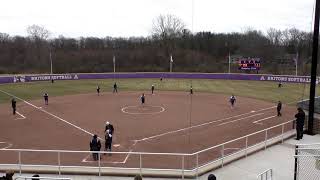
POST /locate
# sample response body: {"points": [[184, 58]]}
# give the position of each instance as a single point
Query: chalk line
{"points": [[22, 116], [55, 116], [260, 120], [199, 125]]}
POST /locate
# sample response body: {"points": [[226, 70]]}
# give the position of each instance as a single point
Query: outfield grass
{"points": [[267, 91]]}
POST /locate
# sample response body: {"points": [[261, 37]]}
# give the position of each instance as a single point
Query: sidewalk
{"points": [[279, 158]]}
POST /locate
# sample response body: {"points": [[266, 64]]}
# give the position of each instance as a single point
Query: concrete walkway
{"points": [[279, 158]]}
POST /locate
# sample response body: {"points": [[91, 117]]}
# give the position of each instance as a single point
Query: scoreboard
{"points": [[249, 63]]}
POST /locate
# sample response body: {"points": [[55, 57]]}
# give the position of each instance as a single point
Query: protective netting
{"points": [[305, 104], [308, 163]]}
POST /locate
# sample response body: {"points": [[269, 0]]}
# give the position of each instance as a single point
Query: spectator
{"points": [[35, 177], [212, 177], [300, 117], [8, 176], [138, 177]]}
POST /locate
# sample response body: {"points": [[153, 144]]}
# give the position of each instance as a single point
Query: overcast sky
{"points": [[100, 18]]}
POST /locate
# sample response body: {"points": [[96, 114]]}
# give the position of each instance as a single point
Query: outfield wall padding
{"points": [[77, 76]]}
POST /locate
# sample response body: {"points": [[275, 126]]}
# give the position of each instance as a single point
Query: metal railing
{"points": [[266, 175], [40, 177], [191, 165]]}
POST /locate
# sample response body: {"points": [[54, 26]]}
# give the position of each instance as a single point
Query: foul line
{"points": [[257, 122], [199, 125], [57, 117], [22, 116]]}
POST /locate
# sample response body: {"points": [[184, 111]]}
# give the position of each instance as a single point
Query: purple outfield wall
{"points": [[249, 77], [6, 79]]}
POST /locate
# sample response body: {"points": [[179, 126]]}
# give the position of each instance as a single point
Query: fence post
{"points": [[19, 156], [99, 162], [182, 166], [197, 158], [140, 164], [59, 163], [267, 175], [282, 131], [296, 163], [222, 155], [246, 146], [265, 140]]}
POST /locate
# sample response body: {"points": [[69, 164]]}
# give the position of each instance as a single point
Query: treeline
{"points": [[199, 52]]}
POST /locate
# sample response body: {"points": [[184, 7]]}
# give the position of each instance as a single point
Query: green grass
{"points": [[267, 91]]}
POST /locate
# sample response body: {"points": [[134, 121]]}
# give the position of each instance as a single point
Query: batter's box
{"points": [[5, 145], [111, 158]]}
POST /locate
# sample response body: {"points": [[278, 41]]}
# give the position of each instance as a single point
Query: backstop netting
{"points": [[307, 162], [305, 105]]}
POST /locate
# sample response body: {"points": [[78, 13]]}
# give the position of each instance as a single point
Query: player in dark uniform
{"points": [[143, 99], [14, 106], [109, 127], [232, 100], [115, 88], [46, 98], [280, 84], [108, 141], [152, 89], [98, 90], [191, 90], [95, 145], [279, 107]]}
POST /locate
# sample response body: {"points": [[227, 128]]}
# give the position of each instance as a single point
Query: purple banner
{"points": [[6, 79], [254, 77], [50, 77]]}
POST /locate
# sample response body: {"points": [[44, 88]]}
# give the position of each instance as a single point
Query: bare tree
{"points": [[38, 32], [274, 36], [39, 35], [167, 26]]}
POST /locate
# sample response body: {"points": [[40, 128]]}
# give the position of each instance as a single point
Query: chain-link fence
{"points": [[307, 162], [305, 104]]}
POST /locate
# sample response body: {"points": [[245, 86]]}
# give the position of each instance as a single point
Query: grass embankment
{"points": [[267, 91]]}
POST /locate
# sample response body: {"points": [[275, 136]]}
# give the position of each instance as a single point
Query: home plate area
{"points": [[113, 158]]}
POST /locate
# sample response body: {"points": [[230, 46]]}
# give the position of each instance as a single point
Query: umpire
{"points": [[300, 123], [14, 106], [95, 145]]}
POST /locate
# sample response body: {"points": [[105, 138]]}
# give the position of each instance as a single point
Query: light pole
{"points": [[50, 61], [171, 61], [296, 61], [229, 58], [114, 66]]}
